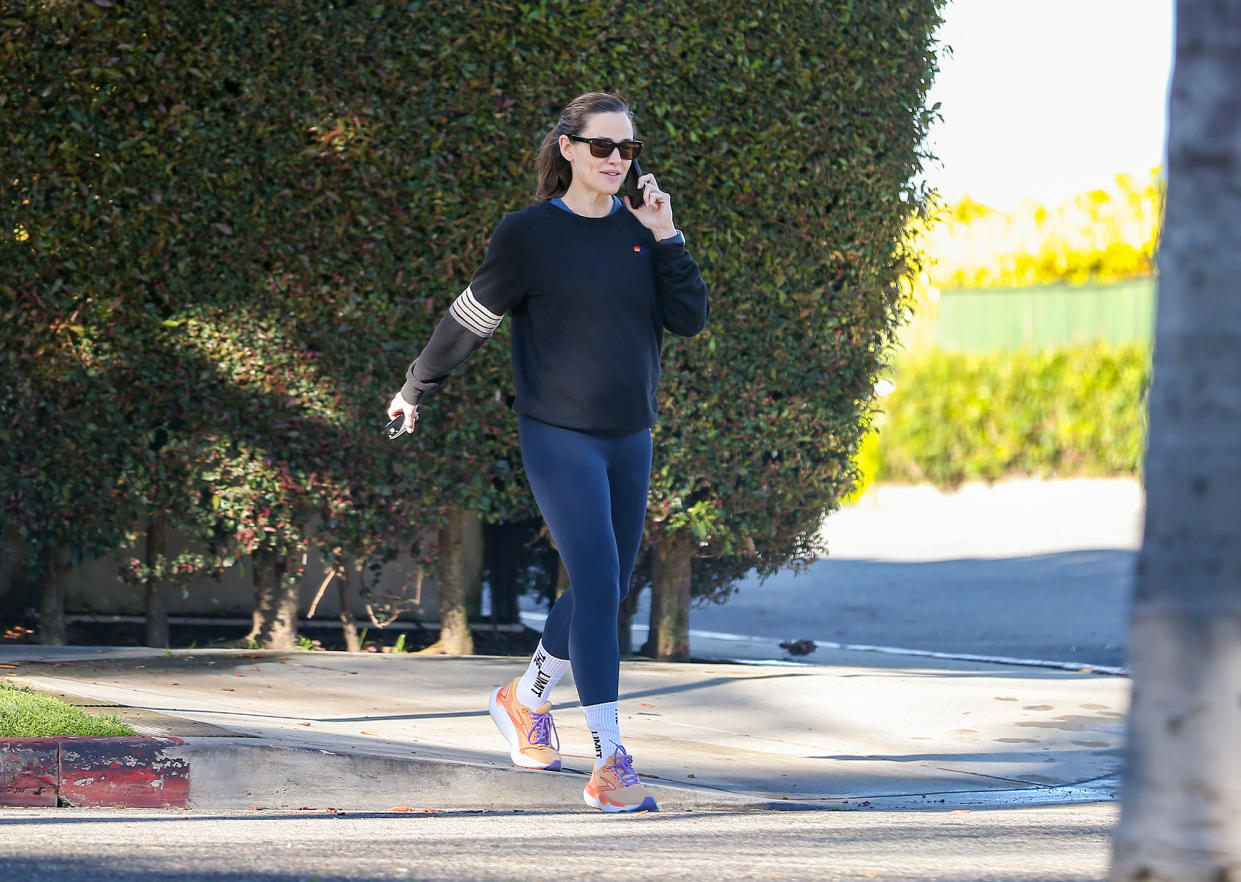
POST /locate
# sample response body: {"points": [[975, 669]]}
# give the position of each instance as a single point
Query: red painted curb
{"points": [[29, 771], [131, 772]]}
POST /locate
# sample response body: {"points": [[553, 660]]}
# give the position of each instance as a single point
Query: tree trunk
{"points": [[1181, 807], [472, 563], [54, 566], [624, 622], [455, 637], [349, 574], [670, 578], [156, 605], [647, 649], [276, 583], [503, 550]]}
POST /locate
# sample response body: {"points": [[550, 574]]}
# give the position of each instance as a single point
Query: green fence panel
{"points": [[1053, 315]]}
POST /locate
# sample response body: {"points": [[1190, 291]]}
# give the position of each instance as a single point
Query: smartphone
{"points": [[395, 428], [632, 190]]}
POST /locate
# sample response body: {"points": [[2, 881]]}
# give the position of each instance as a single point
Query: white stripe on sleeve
{"points": [[473, 316]]}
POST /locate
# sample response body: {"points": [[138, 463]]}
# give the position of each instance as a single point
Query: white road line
{"points": [[538, 618]]}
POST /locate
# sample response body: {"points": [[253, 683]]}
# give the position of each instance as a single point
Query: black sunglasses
{"points": [[601, 148]]}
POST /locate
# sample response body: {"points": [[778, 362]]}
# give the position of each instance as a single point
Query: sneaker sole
{"points": [[504, 723], [646, 805]]}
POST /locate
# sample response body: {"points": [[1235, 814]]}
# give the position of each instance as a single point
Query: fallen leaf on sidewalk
{"points": [[254, 667], [364, 732], [228, 689], [170, 682], [646, 705], [8, 666], [303, 724], [238, 674], [401, 808]]}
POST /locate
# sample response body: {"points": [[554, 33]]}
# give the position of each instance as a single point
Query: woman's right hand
{"points": [[400, 406]]}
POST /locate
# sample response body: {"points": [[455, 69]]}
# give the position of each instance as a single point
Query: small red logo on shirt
{"points": [[637, 249]]}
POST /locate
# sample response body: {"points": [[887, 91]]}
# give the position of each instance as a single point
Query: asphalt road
{"points": [[1022, 570], [1049, 845]]}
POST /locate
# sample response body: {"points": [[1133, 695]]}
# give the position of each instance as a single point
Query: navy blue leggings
{"points": [[591, 488]]}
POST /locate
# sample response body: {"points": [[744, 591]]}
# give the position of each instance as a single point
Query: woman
{"points": [[592, 283]]}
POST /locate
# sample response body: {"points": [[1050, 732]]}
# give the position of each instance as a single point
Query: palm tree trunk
{"points": [[1181, 808]]}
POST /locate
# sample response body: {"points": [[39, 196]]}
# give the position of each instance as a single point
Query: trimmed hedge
{"points": [[956, 417], [228, 226]]}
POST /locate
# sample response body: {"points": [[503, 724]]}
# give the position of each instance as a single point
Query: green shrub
{"points": [[957, 417], [229, 226]]}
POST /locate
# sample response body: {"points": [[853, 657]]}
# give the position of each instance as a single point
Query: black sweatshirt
{"points": [[590, 300]]}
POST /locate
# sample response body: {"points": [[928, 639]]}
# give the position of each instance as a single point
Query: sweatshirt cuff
{"points": [[411, 394]]}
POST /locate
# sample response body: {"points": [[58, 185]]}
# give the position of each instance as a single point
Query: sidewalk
{"points": [[374, 732]]}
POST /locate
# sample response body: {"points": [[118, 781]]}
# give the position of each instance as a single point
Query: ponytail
{"points": [[554, 171]]}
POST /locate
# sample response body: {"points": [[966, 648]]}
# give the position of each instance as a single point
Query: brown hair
{"points": [[554, 171]]}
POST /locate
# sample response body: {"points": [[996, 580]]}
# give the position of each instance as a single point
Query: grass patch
{"points": [[27, 714]]}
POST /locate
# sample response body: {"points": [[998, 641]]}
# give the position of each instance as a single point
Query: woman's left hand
{"points": [[655, 213]]}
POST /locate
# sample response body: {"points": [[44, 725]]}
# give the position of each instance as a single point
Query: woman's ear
{"points": [[566, 148]]}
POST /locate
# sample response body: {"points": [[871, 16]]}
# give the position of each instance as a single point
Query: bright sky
{"points": [[1048, 99]]}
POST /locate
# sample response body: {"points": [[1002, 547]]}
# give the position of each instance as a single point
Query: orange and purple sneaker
{"points": [[614, 787], [529, 731]]}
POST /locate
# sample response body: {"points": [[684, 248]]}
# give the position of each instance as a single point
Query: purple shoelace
{"points": [[542, 728], [623, 764]]}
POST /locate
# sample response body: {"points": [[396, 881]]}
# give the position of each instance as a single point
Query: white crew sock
{"points": [[604, 728], [544, 672]]}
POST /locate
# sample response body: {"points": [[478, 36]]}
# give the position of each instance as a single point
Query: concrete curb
{"points": [[245, 773], [241, 773], [128, 772]]}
